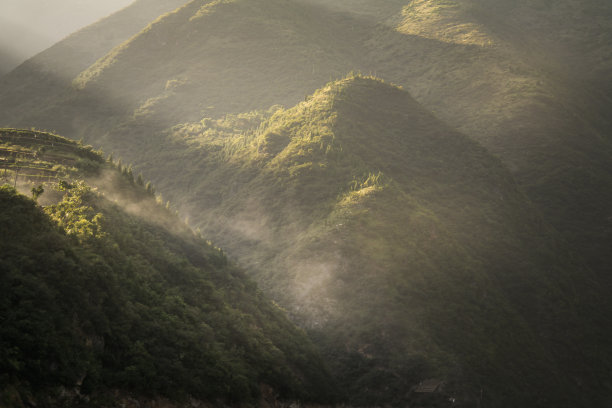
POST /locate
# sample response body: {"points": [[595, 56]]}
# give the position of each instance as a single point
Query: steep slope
{"points": [[206, 57], [46, 77], [8, 60], [28, 27], [537, 103], [405, 248], [104, 290], [529, 80], [443, 21], [565, 36]]}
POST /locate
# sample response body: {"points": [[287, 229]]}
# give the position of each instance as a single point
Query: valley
{"points": [[423, 186]]}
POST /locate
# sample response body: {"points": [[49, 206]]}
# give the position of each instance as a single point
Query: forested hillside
{"points": [[454, 226], [531, 82], [406, 249], [104, 290], [528, 80]]}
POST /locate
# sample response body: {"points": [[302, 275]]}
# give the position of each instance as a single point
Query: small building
{"points": [[430, 386]]}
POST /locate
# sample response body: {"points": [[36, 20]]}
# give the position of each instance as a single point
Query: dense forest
{"points": [[106, 289], [423, 187], [398, 243]]}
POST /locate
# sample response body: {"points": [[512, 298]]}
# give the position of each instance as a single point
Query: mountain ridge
{"points": [[53, 69], [517, 97], [106, 290], [362, 214], [306, 198]]}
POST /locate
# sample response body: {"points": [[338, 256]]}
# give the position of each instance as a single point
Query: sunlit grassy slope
{"points": [[235, 56], [104, 290], [444, 21], [405, 248], [528, 80]]}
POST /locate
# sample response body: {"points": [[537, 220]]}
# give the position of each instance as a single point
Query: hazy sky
{"points": [[29, 26]]}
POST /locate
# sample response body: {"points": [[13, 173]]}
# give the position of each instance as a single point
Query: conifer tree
{"points": [[149, 188], [140, 180]]}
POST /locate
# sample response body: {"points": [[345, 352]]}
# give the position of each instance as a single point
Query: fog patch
{"points": [[251, 225], [314, 290], [134, 200]]}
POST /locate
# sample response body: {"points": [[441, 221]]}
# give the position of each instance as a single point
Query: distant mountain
{"points": [[192, 100], [528, 80], [13, 52], [406, 249], [105, 293], [44, 77], [28, 27], [7, 61], [531, 82], [278, 52]]}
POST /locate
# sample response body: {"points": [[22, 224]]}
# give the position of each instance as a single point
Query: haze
{"points": [[30, 26]]}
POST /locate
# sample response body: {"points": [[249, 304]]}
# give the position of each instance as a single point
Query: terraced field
{"points": [[32, 157]]}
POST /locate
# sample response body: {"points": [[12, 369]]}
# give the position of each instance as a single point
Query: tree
{"points": [[140, 180], [149, 188], [37, 191], [129, 173]]}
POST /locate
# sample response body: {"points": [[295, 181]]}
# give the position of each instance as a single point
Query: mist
{"points": [[30, 26], [422, 187]]}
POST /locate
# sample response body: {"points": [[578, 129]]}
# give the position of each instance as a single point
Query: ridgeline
{"points": [[104, 290]]}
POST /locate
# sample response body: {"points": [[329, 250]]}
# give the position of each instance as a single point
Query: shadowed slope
{"points": [[237, 56], [224, 57], [405, 248], [105, 290], [538, 103], [45, 78], [516, 97]]}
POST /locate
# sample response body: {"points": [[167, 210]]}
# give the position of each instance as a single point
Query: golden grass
{"points": [[445, 21]]}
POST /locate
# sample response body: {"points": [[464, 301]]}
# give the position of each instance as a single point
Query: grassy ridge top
{"points": [[231, 36], [445, 21], [97, 68], [405, 248], [105, 289], [519, 98], [536, 102]]}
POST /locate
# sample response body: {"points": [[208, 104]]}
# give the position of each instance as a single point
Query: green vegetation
{"points": [[405, 249], [491, 69], [99, 295]]}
